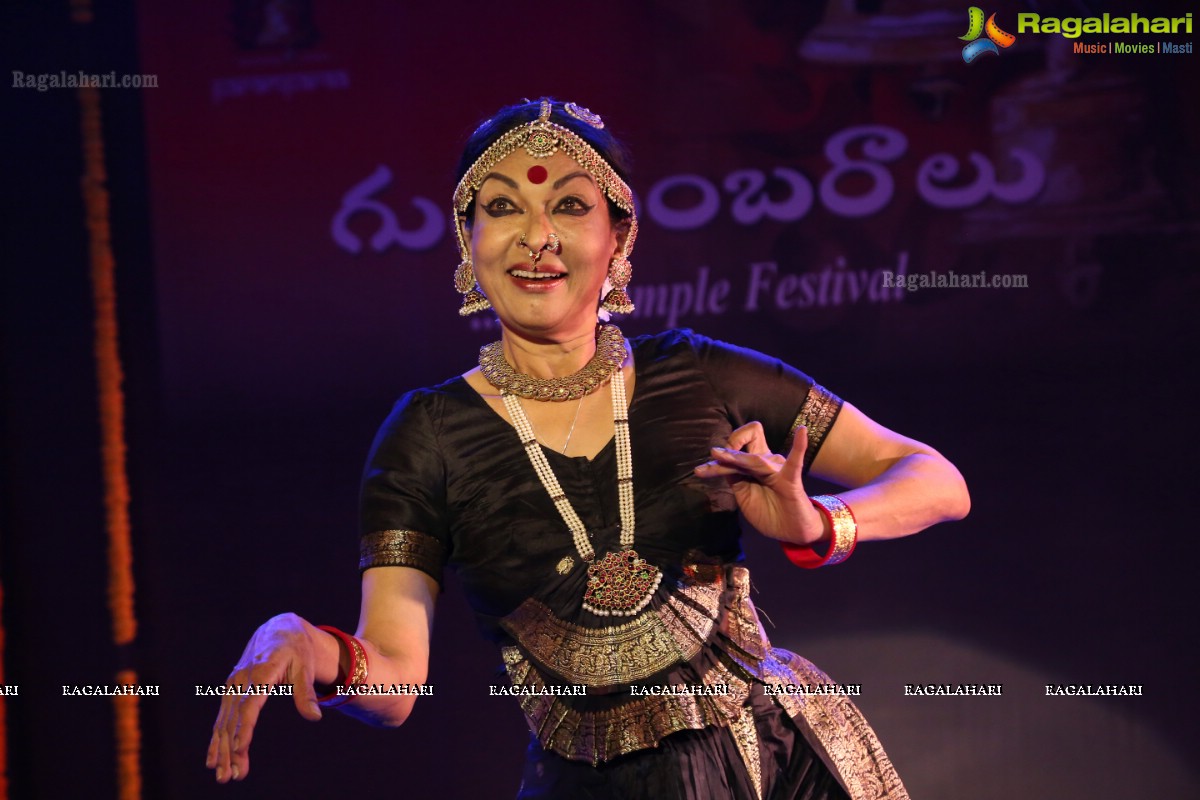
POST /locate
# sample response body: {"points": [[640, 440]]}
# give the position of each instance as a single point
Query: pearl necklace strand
{"points": [[624, 469], [626, 568]]}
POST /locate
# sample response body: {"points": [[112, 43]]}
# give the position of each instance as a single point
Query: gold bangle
{"points": [[356, 675], [844, 530]]}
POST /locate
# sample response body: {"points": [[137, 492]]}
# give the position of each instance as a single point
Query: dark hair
{"points": [[527, 111]]}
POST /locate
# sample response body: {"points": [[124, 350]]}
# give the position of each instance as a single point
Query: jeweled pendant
{"points": [[620, 584]]}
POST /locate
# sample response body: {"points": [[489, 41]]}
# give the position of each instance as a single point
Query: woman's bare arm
{"points": [[394, 628], [896, 486]]}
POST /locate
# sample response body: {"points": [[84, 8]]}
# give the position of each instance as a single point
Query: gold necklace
{"points": [[610, 354]]}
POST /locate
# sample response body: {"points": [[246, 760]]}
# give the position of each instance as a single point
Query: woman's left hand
{"points": [[768, 487]]}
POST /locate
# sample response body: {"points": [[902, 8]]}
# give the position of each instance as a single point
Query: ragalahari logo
{"points": [[976, 27]]}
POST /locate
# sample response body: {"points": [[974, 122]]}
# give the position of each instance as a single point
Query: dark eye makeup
{"points": [[573, 205], [500, 207]]}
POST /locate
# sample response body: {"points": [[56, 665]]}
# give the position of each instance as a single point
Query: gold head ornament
{"points": [[542, 138]]}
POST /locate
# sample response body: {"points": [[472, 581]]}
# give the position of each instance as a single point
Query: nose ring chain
{"points": [[553, 244]]}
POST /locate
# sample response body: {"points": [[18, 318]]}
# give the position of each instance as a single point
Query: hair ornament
{"points": [[584, 115]]}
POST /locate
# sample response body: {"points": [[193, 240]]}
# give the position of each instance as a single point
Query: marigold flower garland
{"points": [[112, 436]]}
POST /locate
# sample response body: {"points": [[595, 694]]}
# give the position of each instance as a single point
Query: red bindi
{"points": [[536, 174]]}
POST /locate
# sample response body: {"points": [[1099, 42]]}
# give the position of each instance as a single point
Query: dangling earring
{"points": [[466, 285], [617, 301]]}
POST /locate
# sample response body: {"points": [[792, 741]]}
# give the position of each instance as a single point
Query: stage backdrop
{"points": [[995, 257]]}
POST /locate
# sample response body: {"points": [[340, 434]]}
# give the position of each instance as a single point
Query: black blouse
{"points": [[447, 480]]}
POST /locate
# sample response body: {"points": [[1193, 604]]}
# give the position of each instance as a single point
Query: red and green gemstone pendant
{"points": [[620, 584]]}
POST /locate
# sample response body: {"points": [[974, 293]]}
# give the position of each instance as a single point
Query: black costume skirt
{"points": [[700, 764]]}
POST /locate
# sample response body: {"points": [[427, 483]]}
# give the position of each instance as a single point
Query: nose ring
{"points": [[553, 244], [534, 255]]}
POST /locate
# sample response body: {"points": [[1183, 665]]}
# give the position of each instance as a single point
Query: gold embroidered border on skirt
{"points": [[640, 723], [820, 409], [402, 548], [620, 654], [836, 730], [745, 736], [741, 624], [831, 724]]}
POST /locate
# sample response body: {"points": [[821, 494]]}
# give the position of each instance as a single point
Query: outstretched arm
{"points": [[394, 628]]}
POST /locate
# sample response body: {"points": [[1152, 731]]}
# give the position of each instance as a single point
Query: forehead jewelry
{"points": [[540, 138]]}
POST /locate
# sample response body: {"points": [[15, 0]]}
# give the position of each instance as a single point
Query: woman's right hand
{"points": [[394, 626], [284, 650]]}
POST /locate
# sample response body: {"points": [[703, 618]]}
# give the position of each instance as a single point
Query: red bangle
{"points": [[357, 673], [845, 535]]}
